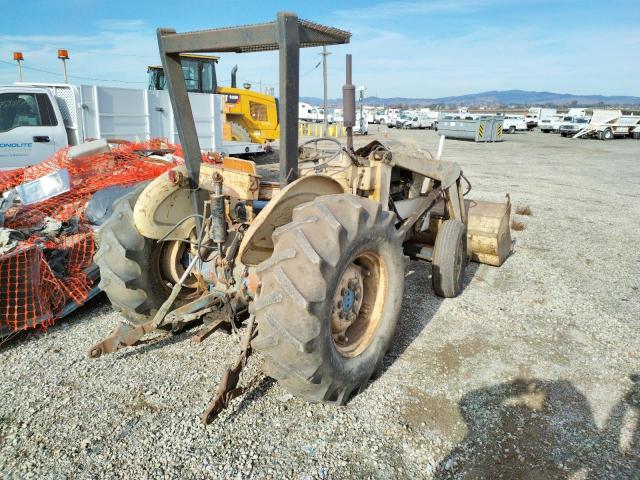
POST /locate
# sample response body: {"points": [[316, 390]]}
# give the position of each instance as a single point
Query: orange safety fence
{"points": [[42, 274]]}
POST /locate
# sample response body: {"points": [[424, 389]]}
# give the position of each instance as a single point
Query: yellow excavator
{"points": [[250, 116]]}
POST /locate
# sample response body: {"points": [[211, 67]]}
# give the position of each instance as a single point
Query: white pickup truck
{"points": [[36, 120], [551, 124], [513, 123]]}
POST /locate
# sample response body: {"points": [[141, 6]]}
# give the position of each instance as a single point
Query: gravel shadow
{"points": [[538, 429], [253, 394], [411, 324]]}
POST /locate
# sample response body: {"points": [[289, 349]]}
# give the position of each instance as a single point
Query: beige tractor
{"points": [[313, 267]]}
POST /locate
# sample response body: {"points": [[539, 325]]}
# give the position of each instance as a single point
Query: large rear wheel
{"points": [[330, 297], [136, 272]]}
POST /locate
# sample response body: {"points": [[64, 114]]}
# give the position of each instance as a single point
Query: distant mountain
{"points": [[498, 99]]}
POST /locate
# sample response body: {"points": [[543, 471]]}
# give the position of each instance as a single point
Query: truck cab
{"points": [[572, 125], [31, 126]]}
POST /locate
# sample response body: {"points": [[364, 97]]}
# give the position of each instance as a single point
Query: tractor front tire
{"points": [[449, 259], [339, 260]]}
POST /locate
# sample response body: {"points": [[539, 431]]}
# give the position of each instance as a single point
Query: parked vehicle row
{"points": [[602, 124], [597, 123]]}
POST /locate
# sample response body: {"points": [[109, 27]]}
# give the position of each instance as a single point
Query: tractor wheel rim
{"points": [[173, 264], [358, 304]]}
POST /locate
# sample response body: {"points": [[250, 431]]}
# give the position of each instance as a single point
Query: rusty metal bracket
{"points": [[192, 310], [228, 387], [206, 331], [124, 335]]}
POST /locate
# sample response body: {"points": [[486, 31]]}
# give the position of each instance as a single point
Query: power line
{"points": [[308, 72], [74, 76], [88, 52]]}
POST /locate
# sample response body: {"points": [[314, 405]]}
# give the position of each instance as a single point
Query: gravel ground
{"points": [[528, 374]]}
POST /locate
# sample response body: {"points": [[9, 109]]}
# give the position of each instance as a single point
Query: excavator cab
{"points": [[199, 74], [250, 116]]}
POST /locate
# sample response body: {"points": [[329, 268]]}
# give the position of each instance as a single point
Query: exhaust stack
{"points": [[233, 76], [349, 105]]}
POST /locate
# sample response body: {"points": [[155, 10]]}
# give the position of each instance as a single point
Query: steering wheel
{"points": [[317, 155]]}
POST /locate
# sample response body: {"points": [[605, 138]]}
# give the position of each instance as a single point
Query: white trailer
{"points": [[608, 124], [309, 113], [36, 120]]}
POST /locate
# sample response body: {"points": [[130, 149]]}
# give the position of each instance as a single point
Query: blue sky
{"points": [[427, 48]]}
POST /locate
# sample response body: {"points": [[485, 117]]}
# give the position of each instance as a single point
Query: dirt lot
{"points": [[531, 373]]}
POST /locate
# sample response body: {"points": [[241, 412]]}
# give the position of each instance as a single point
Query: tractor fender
{"points": [[257, 244], [163, 203]]}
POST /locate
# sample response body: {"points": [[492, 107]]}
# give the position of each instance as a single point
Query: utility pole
{"points": [[324, 79], [18, 57], [362, 120]]}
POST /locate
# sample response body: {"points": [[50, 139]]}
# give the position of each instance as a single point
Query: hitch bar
{"points": [[125, 335], [228, 387]]}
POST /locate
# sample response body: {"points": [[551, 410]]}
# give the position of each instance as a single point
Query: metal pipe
{"points": [[64, 67], [440, 148]]}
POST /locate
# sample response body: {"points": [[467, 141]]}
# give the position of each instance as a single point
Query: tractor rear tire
{"points": [[239, 133], [303, 293], [449, 259], [130, 264]]}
